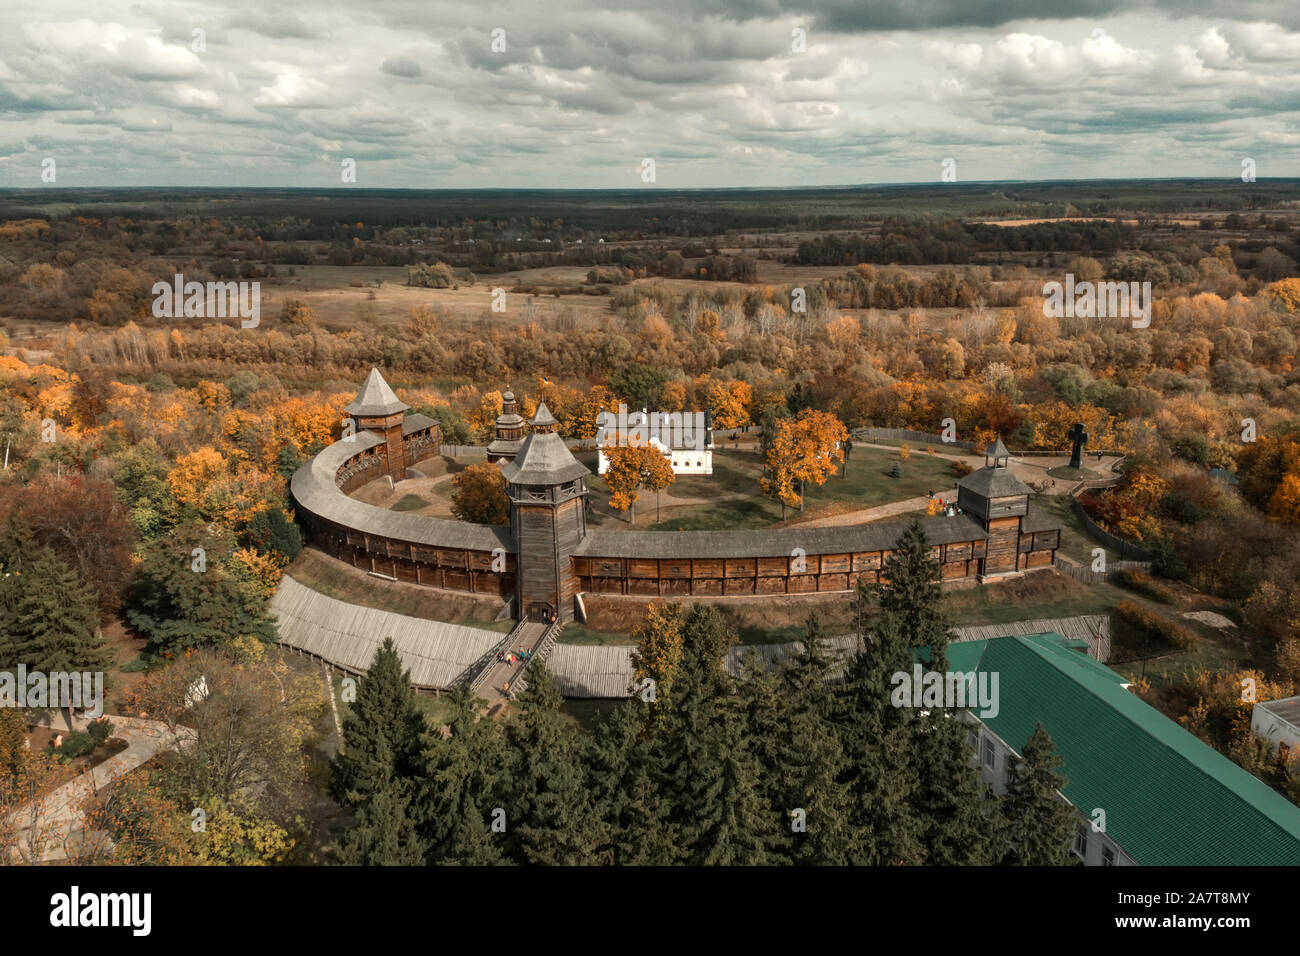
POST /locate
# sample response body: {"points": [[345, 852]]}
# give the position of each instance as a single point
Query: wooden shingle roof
{"points": [[437, 654], [315, 490], [375, 399], [777, 542]]}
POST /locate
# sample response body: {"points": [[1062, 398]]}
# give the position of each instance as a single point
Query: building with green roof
{"points": [[1168, 798]]}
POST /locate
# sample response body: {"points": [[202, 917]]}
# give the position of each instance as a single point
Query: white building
{"points": [[685, 438], [1278, 722]]}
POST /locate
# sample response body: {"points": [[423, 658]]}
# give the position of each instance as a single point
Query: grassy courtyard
{"points": [[731, 497]]}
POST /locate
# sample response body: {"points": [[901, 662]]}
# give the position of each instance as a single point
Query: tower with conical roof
{"points": [[509, 430], [376, 409], [548, 492], [999, 500]]}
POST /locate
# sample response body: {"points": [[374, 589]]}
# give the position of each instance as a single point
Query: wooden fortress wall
{"points": [[470, 570]]}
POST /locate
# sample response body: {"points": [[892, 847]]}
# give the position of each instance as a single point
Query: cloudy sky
{"points": [[716, 92]]}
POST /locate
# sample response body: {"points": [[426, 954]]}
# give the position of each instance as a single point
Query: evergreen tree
{"points": [[1039, 822], [724, 821], [637, 827], [184, 597], [814, 769], [376, 772], [552, 817], [382, 733], [385, 833], [49, 616], [956, 819], [461, 787], [912, 593], [877, 739]]}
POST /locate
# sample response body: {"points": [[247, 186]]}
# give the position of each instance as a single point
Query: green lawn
{"points": [[991, 604], [579, 633], [409, 503], [866, 484], [1075, 542]]}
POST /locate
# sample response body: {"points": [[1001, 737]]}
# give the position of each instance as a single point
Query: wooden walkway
{"points": [[499, 677], [605, 671], [443, 655]]}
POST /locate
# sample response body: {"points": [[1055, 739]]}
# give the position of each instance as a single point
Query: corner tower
{"points": [[1000, 501], [376, 409], [548, 493]]}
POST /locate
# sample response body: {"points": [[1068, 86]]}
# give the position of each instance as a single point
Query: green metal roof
{"points": [[1170, 799]]}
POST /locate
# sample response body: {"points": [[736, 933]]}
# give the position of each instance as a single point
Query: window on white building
{"points": [[990, 756], [1107, 856], [1081, 841]]}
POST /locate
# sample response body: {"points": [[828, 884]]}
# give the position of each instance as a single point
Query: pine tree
{"points": [[1038, 821], [377, 771]]}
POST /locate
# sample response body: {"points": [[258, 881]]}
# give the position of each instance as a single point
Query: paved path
{"points": [[59, 814]]}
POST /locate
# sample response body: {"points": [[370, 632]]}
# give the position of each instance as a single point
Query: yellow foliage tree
{"points": [[729, 402], [630, 467], [804, 449]]}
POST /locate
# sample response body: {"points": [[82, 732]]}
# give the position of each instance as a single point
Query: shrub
{"points": [[896, 470], [1144, 583], [99, 730], [961, 469], [1153, 626], [76, 744]]}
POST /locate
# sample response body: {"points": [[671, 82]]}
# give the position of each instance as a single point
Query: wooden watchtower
{"points": [[999, 500], [376, 409], [548, 491]]}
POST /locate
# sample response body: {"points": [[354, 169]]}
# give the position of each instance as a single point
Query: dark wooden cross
{"points": [[1079, 435]]}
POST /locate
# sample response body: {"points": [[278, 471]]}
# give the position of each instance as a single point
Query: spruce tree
{"points": [[954, 813], [814, 769], [724, 820], [376, 772], [912, 593], [621, 778], [461, 789], [877, 739], [1039, 823], [385, 833], [553, 819]]}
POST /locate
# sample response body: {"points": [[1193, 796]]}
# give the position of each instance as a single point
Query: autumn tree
{"points": [[803, 449], [631, 467], [478, 494], [729, 403], [659, 651], [81, 519]]}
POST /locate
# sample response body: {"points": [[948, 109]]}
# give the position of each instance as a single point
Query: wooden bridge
{"points": [[500, 677]]}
